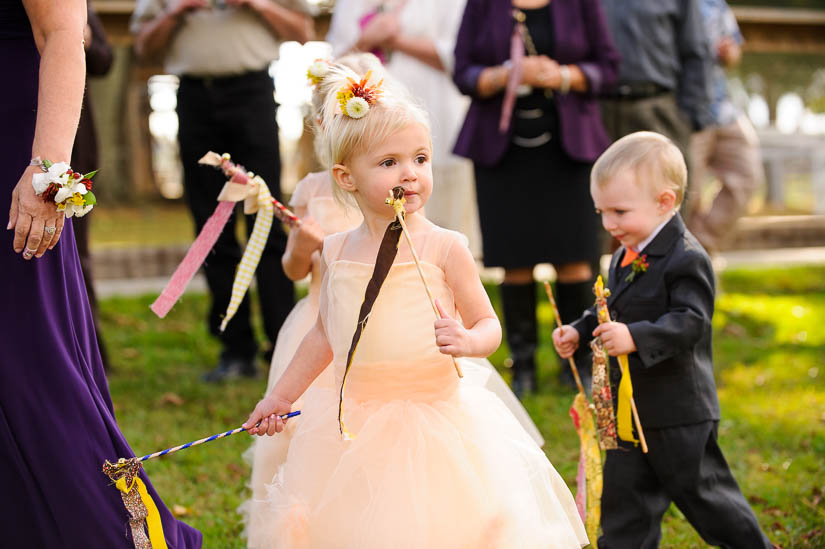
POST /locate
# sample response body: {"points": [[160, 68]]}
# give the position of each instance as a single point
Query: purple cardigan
{"points": [[581, 38]]}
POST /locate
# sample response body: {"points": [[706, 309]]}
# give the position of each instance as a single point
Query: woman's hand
{"points": [[268, 412], [37, 224], [540, 71], [380, 29]]}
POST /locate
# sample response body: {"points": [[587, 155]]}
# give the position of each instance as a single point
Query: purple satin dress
{"points": [[57, 425]]}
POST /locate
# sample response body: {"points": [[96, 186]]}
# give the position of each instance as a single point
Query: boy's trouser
{"points": [[685, 465]]}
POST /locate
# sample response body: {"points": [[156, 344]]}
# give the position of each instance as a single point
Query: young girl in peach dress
{"points": [[429, 461]]}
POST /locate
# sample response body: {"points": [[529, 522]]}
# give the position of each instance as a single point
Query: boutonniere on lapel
{"points": [[639, 265]]}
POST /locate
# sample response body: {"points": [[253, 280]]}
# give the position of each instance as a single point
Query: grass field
{"points": [[770, 367]]}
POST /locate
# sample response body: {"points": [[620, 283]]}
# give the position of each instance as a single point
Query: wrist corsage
{"points": [[639, 265], [71, 191]]}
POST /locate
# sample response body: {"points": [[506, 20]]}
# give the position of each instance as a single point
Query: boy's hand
{"points": [[308, 236], [616, 338], [268, 412], [566, 341], [451, 336]]}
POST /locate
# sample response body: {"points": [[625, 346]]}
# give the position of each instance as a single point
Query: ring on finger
{"points": [[50, 230]]}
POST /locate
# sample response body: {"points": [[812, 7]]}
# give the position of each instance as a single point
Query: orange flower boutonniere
{"points": [[639, 265]]}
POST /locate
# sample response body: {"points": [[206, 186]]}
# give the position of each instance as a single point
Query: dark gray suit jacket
{"points": [[668, 310]]}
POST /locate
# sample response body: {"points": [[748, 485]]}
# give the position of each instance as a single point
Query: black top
{"points": [[534, 117]]}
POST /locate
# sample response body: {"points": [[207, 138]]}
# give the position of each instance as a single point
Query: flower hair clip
{"points": [[70, 190], [318, 71], [356, 98]]}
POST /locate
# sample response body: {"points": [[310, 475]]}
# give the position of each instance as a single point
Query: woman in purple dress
{"points": [[57, 425]]}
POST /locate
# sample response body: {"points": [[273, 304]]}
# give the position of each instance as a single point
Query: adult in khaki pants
{"points": [[729, 149]]}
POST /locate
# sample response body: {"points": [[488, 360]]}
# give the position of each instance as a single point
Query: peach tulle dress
{"points": [[435, 462]]}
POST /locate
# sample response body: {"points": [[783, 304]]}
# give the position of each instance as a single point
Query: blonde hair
{"points": [[360, 63], [662, 160], [343, 136]]}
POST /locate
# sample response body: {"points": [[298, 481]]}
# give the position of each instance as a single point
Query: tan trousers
{"points": [[731, 154]]}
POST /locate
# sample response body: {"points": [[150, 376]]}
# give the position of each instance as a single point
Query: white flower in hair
{"points": [[317, 71], [357, 107]]}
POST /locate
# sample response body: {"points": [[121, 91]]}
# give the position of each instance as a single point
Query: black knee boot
{"points": [[572, 299], [519, 305]]}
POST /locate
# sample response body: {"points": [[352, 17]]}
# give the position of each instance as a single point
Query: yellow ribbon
{"points": [[254, 248], [624, 421], [589, 441], [153, 522]]}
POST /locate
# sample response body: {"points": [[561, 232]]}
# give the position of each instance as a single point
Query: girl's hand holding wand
{"points": [[451, 336], [268, 412], [308, 236]]}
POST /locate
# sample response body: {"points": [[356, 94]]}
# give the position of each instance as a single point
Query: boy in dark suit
{"points": [[662, 293]]}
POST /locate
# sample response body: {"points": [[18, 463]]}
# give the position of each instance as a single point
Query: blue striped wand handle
{"points": [[207, 439]]}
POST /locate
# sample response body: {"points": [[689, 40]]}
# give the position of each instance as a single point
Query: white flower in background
{"points": [[357, 107]]}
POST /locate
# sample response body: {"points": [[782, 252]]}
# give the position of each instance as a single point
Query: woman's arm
{"points": [[154, 35], [421, 48], [480, 334], [286, 23], [58, 32]]}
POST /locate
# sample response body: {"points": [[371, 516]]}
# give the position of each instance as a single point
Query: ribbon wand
{"points": [[398, 206], [144, 517], [625, 386], [570, 360]]}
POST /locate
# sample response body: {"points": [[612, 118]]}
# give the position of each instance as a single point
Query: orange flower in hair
{"points": [[356, 98]]}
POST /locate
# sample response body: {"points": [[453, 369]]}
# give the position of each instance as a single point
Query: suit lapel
{"points": [[658, 248]]}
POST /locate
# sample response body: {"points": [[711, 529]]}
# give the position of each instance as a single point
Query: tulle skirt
{"points": [[451, 470]]}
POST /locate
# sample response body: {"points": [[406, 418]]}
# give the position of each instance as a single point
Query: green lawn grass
{"points": [[770, 366]]}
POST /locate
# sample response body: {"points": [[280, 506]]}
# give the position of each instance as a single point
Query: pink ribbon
{"points": [[516, 57]]}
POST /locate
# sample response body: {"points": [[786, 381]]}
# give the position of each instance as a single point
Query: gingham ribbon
{"points": [[254, 249]]}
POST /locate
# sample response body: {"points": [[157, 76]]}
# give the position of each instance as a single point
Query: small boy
{"points": [[662, 293]]}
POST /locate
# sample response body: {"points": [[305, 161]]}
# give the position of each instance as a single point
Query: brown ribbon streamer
{"points": [[386, 256]]}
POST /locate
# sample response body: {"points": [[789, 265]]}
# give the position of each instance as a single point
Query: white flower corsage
{"points": [[71, 191]]}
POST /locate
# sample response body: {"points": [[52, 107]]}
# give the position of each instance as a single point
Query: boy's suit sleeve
{"points": [[585, 325], [689, 312]]}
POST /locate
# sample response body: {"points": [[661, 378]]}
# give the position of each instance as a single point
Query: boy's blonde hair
{"points": [[656, 161], [343, 136]]}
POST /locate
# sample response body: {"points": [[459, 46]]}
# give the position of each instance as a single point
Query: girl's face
{"points": [[404, 159]]}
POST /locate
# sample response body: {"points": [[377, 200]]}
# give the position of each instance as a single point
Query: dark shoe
{"points": [[524, 382], [230, 368]]}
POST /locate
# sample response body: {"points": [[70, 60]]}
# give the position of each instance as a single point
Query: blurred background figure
{"points": [[415, 40], [663, 78], [85, 155], [533, 177], [729, 148], [221, 51]]}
